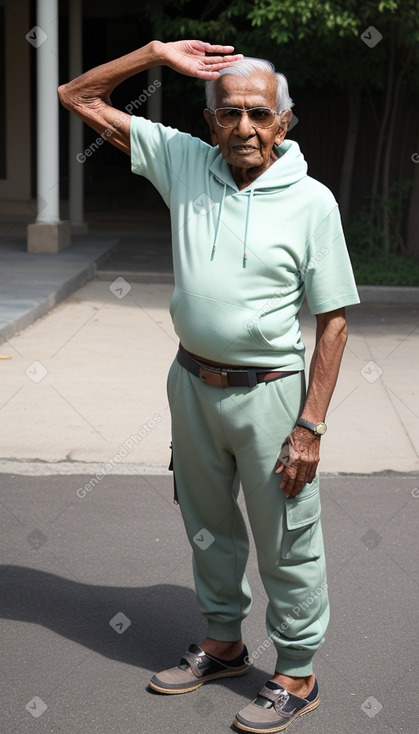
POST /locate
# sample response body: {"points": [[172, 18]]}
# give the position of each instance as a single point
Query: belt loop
{"points": [[253, 381]]}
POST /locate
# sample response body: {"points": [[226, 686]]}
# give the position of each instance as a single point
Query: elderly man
{"points": [[252, 235]]}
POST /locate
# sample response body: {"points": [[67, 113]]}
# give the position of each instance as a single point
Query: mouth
{"points": [[244, 148]]}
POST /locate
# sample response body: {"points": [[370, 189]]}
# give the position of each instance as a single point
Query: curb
{"points": [[391, 295], [21, 314], [138, 276], [64, 290], [39, 467]]}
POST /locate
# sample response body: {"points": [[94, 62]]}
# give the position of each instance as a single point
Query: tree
{"points": [[363, 49], [378, 64]]}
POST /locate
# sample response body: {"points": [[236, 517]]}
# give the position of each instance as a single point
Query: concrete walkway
{"points": [[31, 284], [95, 365]]}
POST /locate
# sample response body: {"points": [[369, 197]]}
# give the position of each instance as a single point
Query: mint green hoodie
{"points": [[243, 260]]}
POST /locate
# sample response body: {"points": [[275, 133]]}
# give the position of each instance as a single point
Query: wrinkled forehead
{"points": [[255, 90]]}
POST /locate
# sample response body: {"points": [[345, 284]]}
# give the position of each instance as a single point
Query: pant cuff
{"points": [[224, 632], [297, 669]]}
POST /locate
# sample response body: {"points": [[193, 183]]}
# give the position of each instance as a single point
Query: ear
{"points": [[212, 126], [284, 121]]}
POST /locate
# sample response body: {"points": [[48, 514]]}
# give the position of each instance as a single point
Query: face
{"points": [[247, 148]]}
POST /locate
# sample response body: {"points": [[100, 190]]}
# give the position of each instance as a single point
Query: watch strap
{"points": [[312, 426]]}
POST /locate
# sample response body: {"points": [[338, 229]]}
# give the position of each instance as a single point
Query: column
{"points": [[48, 233], [76, 146]]}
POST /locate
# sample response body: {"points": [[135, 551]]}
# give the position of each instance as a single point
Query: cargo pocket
{"points": [[300, 540]]}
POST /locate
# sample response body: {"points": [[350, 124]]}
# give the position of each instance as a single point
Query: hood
{"points": [[287, 170], [290, 168]]}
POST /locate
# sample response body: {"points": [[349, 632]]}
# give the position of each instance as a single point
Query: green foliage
{"points": [[300, 19], [318, 41], [209, 22], [333, 30], [365, 235], [371, 264], [375, 267]]}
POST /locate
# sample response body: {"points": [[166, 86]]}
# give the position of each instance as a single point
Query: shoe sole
{"points": [[193, 686], [275, 729]]}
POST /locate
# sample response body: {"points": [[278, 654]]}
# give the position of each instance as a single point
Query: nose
{"points": [[245, 128]]}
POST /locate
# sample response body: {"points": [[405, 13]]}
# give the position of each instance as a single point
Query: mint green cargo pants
{"points": [[224, 436]]}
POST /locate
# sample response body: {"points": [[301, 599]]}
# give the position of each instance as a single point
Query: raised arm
{"points": [[88, 96]]}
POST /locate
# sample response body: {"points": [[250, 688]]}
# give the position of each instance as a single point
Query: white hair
{"points": [[248, 66]]}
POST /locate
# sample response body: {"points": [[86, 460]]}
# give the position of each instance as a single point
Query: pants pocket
{"points": [[302, 533], [291, 393]]}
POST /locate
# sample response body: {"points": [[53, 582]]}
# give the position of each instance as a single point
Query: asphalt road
{"points": [[97, 594]]}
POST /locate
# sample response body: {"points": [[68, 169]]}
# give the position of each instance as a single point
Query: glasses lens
{"points": [[231, 116], [228, 116], [261, 116]]}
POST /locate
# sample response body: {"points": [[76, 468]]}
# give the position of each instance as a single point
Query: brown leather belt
{"points": [[227, 376]]}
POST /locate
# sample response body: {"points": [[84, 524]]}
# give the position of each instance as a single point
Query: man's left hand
{"points": [[298, 461]]}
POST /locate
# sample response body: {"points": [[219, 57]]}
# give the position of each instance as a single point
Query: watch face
{"points": [[321, 428]]}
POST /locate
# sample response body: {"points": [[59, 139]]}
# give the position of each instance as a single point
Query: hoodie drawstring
{"points": [[217, 226], [250, 195], [246, 226]]}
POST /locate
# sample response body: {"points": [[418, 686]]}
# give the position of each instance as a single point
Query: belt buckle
{"points": [[211, 377]]}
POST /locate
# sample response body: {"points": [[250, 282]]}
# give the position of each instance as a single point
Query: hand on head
{"points": [[189, 58]]}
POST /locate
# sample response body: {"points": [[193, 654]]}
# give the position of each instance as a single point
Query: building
{"points": [[41, 45]]}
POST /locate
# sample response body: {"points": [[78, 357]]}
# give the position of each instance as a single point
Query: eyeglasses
{"points": [[231, 116]]}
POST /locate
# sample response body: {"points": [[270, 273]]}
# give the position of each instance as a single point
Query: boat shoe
{"points": [[274, 709], [196, 668]]}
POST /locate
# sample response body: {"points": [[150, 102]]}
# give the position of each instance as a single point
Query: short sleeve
{"points": [[327, 270], [157, 152]]}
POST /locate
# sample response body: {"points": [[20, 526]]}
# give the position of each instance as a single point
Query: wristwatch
{"points": [[319, 429]]}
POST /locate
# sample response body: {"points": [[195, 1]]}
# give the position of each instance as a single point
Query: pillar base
{"points": [[43, 237]]}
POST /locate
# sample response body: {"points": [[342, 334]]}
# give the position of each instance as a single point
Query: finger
{"points": [[293, 482], [214, 48], [229, 60], [294, 487], [206, 75], [303, 477], [311, 474], [287, 483], [219, 62], [293, 492]]}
